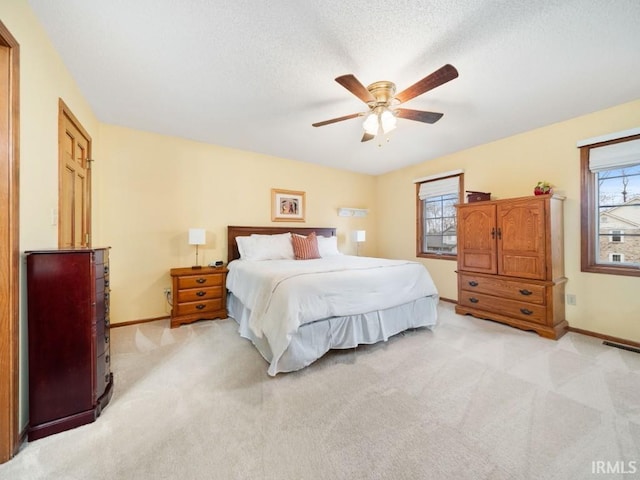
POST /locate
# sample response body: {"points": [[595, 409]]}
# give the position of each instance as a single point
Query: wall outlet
{"points": [[166, 291], [571, 299]]}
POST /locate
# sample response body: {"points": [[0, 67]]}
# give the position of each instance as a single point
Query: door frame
{"points": [[9, 245]]}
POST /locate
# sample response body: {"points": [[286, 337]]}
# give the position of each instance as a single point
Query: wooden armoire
{"points": [[511, 263], [70, 379]]}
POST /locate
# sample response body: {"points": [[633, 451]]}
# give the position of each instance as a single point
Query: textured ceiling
{"points": [[255, 75]]}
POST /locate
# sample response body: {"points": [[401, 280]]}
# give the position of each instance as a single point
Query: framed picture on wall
{"points": [[287, 206]]}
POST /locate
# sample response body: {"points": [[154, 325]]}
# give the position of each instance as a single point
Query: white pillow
{"points": [[328, 246], [265, 247], [244, 246]]}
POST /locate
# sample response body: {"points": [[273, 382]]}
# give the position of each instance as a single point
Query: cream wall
{"points": [[153, 188], [149, 189], [606, 304], [43, 80]]}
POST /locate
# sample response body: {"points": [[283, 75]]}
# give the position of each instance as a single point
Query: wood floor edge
{"points": [[136, 322], [602, 336], [588, 333], [448, 300]]}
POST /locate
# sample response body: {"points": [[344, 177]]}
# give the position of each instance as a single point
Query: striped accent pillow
{"points": [[305, 248]]}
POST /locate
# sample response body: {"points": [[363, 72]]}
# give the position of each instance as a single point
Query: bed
{"points": [[295, 311]]}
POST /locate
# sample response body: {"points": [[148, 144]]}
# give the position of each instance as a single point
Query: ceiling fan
{"points": [[382, 101]]}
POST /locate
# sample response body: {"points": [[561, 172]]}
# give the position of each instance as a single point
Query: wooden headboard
{"points": [[233, 232]]}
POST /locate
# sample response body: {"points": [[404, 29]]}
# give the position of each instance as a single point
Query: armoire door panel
{"points": [[476, 239], [521, 240]]}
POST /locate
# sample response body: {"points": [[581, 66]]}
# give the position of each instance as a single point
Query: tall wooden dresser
{"points": [[511, 263], [70, 379]]}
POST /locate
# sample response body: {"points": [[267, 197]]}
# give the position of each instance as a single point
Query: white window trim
{"points": [[438, 176]]}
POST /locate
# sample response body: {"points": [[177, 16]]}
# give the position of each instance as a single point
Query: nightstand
{"points": [[198, 293]]}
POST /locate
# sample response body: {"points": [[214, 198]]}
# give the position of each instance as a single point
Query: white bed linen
{"points": [[283, 295], [312, 340]]}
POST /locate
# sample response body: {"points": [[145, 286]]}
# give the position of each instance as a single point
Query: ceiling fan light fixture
{"points": [[381, 96], [379, 118], [371, 124], [388, 120]]}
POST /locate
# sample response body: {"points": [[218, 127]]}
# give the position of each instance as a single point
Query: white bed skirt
{"points": [[313, 340]]}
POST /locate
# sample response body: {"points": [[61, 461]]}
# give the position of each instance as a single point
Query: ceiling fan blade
{"points": [[352, 84], [339, 119], [437, 78], [418, 115], [367, 136]]}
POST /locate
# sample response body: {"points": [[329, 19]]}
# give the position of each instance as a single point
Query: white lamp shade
{"points": [[196, 236], [361, 235], [370, 124], [388, 121]]}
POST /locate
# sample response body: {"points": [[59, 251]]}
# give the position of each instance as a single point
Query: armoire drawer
{"points": [[499, 287], [513, 308]]}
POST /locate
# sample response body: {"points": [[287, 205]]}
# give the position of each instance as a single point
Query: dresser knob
{"points": [[106, 359], [201, 293], [473, 283], [525, 292], [526, 311], [106, 339], [474, 300], [106, 378], [201, 280], [200, 306]]}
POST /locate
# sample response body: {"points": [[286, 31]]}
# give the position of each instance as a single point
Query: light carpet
{"points": [[471, 399]]}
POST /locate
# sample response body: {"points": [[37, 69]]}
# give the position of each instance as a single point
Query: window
{"points": [[616, 257], [610, 204], [616, 235], [437, 197]]}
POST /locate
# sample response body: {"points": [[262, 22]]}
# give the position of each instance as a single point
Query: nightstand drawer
{"points": [[203, 307], [198, 294], [195, 281]]}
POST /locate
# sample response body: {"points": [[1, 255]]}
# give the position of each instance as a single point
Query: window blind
{"points": [[617, 155], [440, 187]]}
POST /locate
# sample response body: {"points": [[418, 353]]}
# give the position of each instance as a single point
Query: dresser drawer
{"points": [[195, 281], [512, 308], [498, 287], [103, 369], [197, 294], [193, 308]]}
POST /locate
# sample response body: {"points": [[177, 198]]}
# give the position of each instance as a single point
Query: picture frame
{"points": [[287, 205]]}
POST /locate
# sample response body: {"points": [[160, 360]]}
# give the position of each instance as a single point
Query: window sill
{"points": [[611, 270], [438, 256]]}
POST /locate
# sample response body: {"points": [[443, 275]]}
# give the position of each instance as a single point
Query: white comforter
{"points": [[285, 294]]}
